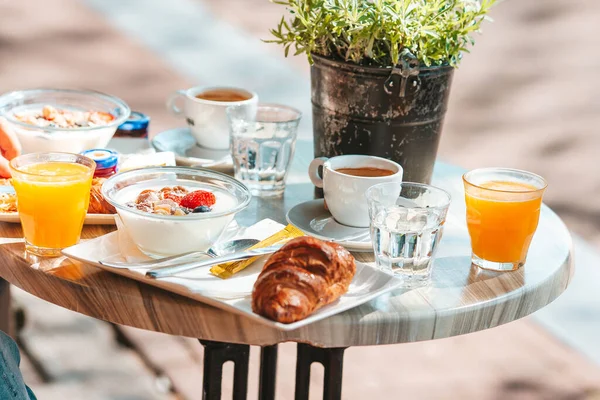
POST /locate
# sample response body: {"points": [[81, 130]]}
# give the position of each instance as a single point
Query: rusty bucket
{"points": [[393, 113]]}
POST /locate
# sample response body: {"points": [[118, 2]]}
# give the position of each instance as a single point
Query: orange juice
{"points": [[53, 198], [502, 221]]}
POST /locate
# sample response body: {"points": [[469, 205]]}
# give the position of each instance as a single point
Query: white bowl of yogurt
{"points": [[162, 226], [64, 120]]}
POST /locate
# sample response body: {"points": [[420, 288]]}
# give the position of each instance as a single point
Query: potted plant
{"points": [[381, 72]]}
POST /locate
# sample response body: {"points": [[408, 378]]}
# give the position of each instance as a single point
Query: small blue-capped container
{"points": [[136, 126], [106, 161]]}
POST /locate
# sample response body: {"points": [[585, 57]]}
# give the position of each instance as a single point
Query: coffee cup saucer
{"points": [[313, 219], [188, 153]]}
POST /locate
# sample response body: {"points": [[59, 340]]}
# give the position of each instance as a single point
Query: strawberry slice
{"points": [[197, 199]]}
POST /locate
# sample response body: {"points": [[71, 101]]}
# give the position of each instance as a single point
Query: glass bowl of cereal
{"points": [[174, 210], [62, 119]]}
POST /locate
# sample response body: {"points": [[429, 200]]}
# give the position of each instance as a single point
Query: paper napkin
{"points": [[149, 158]]}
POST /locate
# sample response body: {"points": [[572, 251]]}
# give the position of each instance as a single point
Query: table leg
{"points": [[215, 355], [268, 372], [5, 314], [332, 360]]}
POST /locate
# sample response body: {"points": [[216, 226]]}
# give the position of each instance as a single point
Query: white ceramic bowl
{"points": [[70, 140], [164, 235]]}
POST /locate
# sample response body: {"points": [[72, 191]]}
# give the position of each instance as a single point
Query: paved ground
{"points": [[526, 97]]}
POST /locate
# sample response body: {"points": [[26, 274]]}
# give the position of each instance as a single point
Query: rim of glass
{"points": [[113, 180], [271, 106], [116, 122], [415, 184], [497, 169], [92, 163]]}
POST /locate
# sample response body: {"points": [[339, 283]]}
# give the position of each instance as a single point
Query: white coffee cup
{"points": [[206, 118], [344, 193]]}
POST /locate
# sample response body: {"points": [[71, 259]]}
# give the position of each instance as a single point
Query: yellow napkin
{"points": [[227, 270]]}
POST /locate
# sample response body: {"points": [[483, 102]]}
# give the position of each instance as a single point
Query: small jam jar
{"points": [[136, 126], [106, 161]]}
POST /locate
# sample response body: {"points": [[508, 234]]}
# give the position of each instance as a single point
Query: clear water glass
{"points": [[407, 221], [263, 140]]}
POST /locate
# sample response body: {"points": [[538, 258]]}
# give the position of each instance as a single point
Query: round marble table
{"points": [[460, 299]]}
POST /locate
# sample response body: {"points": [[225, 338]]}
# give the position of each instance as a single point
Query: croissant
{"points": [[98, 204], [303, 276]]}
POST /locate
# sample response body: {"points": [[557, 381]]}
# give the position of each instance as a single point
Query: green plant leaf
{"points": [[375, 32]]}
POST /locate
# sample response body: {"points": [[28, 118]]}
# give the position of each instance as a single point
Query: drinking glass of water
{"points": [[407, 220], [262, 145]]}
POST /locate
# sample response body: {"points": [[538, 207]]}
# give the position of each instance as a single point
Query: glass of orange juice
{"points": [[503, 209], [53, 194]]}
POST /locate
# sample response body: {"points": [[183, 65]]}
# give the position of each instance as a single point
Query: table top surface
{"points": [[460, 299]]}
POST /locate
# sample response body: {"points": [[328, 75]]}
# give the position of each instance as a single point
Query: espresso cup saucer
{"points": [[313, 219], [188, 153]]}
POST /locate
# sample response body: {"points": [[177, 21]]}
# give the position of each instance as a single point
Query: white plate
{"points": [[189, 153], [313, 219], [90, 219], [233, 294]]}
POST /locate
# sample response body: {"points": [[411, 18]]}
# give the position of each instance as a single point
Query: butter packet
{"points": [[227, 270]]}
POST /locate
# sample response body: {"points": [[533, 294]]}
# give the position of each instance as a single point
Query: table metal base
{"points": [[268, 372], [332, 360], [217, 353]]}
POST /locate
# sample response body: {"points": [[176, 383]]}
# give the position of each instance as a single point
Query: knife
{"points": [[163, 272]]}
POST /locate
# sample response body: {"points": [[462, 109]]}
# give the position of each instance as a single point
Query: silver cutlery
{"points": [[163, 272], [219, 249]]}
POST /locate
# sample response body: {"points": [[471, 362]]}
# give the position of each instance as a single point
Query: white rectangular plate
{"points": [[234, 294], [90, 219]]}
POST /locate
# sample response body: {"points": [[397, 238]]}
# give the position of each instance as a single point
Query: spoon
{"points": [[218, 250], [170, 270]]}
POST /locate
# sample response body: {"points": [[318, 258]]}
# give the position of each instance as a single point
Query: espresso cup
{"points": [[206, 117], [345, 192]]}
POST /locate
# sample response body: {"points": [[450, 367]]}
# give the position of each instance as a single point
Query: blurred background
{"points": [[526, 97]]}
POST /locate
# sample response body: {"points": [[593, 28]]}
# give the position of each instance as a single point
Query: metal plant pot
{"points": [[393, 113]]}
